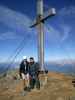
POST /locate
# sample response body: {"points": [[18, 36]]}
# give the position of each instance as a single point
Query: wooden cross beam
{"points": [[41, 18], [48, 14]]}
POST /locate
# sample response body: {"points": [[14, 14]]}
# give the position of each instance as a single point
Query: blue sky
{"points": [[17, 15]]}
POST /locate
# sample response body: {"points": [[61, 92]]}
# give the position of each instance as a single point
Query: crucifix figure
{"points": [[41, 18]]}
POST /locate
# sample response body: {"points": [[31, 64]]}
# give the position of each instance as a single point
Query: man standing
{"points": [[34, 73], [24, 72]]}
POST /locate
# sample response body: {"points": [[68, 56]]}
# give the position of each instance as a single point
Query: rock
{"points": [[60, 98]]}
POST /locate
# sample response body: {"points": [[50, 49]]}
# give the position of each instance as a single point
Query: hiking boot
{"points": [[27, 89], [23, 93]]}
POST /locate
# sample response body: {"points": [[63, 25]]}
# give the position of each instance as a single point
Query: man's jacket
{"points": [[34, 69], [24, 68]]}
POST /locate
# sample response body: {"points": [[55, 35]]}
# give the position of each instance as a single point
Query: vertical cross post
{"points": [[40, 26]]}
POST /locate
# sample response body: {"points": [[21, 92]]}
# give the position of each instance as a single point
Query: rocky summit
{"points": [[58, 87]]}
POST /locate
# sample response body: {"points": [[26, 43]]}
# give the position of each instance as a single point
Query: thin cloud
{"points": [[54, 35], [17, 23], [66, 15], [67, 11], [66, 32], [14, 20], [21, 22], [62, 33], [9, 36]]}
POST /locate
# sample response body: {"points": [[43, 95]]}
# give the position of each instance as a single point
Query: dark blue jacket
{"points": [[34, 69], [23, 69]]}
